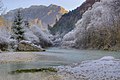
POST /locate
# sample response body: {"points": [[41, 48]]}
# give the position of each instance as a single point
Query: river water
{"points": [[51, 57]]}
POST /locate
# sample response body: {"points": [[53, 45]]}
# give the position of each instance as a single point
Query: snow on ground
{"points": [[29, 42], [106, 68]]}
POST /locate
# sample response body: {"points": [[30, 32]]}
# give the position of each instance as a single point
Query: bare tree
{"points": [[1, 7]]}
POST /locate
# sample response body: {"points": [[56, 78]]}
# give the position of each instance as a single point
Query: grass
{"points": [[30, 51], [33, 70]]}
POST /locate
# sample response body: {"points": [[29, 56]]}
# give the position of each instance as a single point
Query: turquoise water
{"points": [[53, 57], [59, 56]]}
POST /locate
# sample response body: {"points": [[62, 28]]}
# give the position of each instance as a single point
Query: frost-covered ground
{"points": [[106, 68]]}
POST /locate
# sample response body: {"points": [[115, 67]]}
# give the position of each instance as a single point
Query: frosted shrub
{"points": [[3, 43], [4, 38], [99, 27], [43, 37]]}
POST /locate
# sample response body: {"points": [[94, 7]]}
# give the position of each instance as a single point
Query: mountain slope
{"points": [[68, 20], [47, 15]]}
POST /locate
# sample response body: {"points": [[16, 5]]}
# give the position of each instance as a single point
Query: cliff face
{"points": [[47, 15], [68, 20]]}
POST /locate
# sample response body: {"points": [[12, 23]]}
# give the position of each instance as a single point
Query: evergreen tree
{"points": [[49, 28], [17, 28]]}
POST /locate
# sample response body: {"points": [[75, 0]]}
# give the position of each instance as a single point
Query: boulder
{"points": [[28, 46]]}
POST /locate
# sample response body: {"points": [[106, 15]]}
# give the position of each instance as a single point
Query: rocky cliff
{"points": [[68, 20]]}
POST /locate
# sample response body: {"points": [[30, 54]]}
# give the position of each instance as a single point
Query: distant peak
{"points": [[92, 0], [37, 6], [61, 9], [53, 5]]}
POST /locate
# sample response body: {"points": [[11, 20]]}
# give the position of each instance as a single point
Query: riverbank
{"points": [[38, 58], [7, 57], [106, 68], [80, 65]]}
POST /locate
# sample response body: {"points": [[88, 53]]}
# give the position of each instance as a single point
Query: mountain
{"points": [[47, 15], [99, 28], [68, 20]]}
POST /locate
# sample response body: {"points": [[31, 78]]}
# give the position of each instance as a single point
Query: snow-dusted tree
{"points": [[26, 24], [4, 38], [43, 37], [115, 19], [28, 34], [4, 33], [99, 27], [17, 27], [1, 7]]}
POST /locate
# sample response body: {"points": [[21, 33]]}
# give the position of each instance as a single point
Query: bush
{"points": [[3, 44]]}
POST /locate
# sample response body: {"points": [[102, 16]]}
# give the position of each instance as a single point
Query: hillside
{"points": [[68, 20], [45, 15]]}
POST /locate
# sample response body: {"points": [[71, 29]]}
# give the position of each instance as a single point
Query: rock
{"points": [[28, 46]]}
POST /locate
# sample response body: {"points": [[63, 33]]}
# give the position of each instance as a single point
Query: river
{"points": [[51, 57]]}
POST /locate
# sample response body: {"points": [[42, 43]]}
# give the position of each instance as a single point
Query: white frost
{"points": [[106, 68], [107, 58], [28, 35], [101, 16], [40, 34]]}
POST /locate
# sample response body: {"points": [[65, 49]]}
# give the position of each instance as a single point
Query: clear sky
{"points": [[67, 4]]}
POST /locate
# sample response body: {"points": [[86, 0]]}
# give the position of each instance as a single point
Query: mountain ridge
{"points": [[46, 14], [68, 20]]}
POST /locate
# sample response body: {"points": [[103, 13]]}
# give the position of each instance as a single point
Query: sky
{"points": [[67, 4]]}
